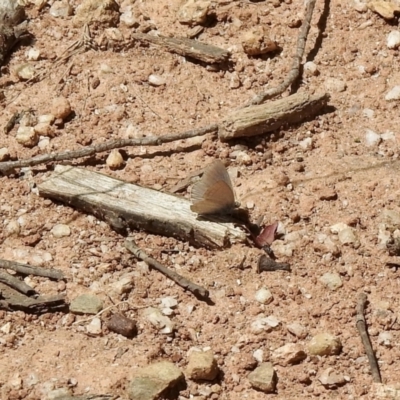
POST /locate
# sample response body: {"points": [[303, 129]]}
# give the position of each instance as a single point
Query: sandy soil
{"points": [[287, 177]]}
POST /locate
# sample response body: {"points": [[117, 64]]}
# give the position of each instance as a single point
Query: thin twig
{"points": [[16, 284], [8, 166], [197, 290], [82, 321], [31, 270], [295, 69], [362, 330]]}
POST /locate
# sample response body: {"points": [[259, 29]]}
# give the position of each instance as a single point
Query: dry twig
{"points": [[31, 270], [15, 283], [197, 290], [362, 330], [295, 69], [13, 301], [8, 166]]}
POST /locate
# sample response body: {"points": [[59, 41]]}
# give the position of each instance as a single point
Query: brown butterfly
{"points": [[213, 194]]}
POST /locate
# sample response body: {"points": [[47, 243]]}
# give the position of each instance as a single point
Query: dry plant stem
{"points": [[362, 330], [8, 166], [295, 69], [30, 270], [82, 321], [186, 47], [197, 290], [15, 283]]}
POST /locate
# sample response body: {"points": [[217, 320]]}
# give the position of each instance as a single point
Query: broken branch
{"points": [[15, 283], [186, 47], [295, 69], [8, 166], [362, 330], [197, 290], [14, 301], [31, 270]]}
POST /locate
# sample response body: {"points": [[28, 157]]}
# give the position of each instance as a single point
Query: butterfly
{"points": [[213, 194]]}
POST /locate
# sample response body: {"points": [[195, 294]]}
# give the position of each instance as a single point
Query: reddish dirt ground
{"points": [[286, 177]]}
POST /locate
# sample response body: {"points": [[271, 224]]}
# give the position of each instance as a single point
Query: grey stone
{"points": [[86, 304], [153, 381], [263, 378]]}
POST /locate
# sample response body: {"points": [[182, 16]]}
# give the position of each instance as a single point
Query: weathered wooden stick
{"points": [[15, 283], [180, 280], [295, 68], [13, 301], [6, 167], [264, 118], [31, 270], [186, 47], [362, 330], [125, 205]]}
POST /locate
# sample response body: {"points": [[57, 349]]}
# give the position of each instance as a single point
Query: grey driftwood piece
{"points": [[186, 47], [124, 205], [264, 118]]}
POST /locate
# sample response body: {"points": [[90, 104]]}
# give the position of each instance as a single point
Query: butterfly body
{"points": [[213, 194]]}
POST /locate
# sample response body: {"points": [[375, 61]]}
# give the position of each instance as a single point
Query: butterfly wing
{"points": [[213, 194]]}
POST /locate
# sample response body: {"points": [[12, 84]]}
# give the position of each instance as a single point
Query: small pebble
{"points": [[331, 379], [193, 12], [385, 339], [297, 330], [263, 378], [94, 326], [61, 108], [259, 355], [61, 9], [156, 80], [61, 230], [264, 296], [33, 54], [393, 94], [324, 344], [331, 280], [122, 325], [310, 69], [290, 353], [372, 138], [4, 154], [27, 136], [25, 71], [115, 160], [202, 365], [160, 321], [393, 40], [335, 85]]}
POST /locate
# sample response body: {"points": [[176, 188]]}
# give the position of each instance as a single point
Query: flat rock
{"points": [[290, 353], [154, 381], [330, 379], [86, 304], [263, 378]]}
